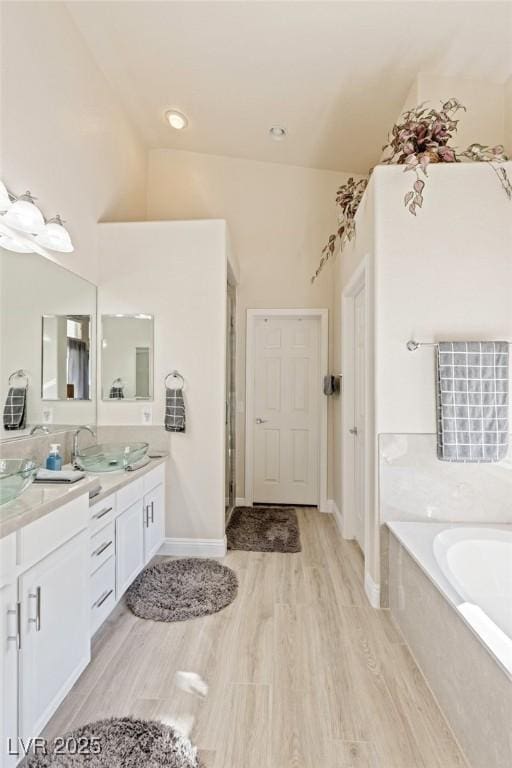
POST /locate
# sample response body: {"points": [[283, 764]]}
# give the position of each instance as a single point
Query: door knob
{"points": [[353, 431], [261, 421]]}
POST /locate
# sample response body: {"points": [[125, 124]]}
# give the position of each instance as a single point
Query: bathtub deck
{"points": [[302, 672]]}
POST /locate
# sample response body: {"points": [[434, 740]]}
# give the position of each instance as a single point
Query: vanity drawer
{"points": [[43, 536], [131, 493], [103, 512], [102, 546], [103, 593], [154, 478]]}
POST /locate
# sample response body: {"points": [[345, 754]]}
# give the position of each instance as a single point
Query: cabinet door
{"points": [[55, 638], [154, 521], [8, 675], [129, 547]]}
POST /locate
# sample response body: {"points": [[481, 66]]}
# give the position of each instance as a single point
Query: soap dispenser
{"points": [[54, 460]]}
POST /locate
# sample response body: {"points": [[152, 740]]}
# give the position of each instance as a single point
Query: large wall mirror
{"points": [[127, 357], [47, 350]]}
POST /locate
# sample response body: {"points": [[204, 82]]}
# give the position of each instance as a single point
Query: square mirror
{"points": [[66, 354], [127, 357]]}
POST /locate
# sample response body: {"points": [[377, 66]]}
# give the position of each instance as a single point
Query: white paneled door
{"points": [[286, 405]]}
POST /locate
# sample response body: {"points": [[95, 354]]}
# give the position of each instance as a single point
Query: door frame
{"points": [[358, 282], [252, 314]]}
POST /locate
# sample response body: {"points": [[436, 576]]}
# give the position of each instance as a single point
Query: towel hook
{"points": [[18, 374], [175, 375]]}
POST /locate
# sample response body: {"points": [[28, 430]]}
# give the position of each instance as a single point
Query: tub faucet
{"points": [[75, 450]]}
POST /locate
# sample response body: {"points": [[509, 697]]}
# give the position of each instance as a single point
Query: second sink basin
{"points": [[15, 477], [109, 457]]}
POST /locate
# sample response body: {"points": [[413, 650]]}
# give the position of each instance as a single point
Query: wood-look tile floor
{"points": [[302, 672]]}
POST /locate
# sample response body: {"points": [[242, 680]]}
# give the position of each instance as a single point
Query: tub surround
{"points": [[473, 690], [419, 540], [415, 485]]}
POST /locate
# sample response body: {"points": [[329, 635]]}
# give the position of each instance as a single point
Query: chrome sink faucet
{"points": [[75, 450], [39, 427]]}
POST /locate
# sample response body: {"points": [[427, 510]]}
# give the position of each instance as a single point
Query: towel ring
{"points": [[118, 383], [19, 374], [175, 375]]}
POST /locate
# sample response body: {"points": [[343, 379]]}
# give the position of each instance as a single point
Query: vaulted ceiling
{"points": [[334, 74]]}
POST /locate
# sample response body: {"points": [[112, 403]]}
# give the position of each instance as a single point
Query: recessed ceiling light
{"points": [[176, 119], [277, 133]]}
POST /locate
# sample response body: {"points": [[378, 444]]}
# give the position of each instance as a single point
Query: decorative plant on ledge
{"points": [[348, 197], [420, 138]]}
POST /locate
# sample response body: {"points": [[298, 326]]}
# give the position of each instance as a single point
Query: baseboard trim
{"points": [[372, 590], [241, 502], [325, 506], [194, 547], [338, 517]]}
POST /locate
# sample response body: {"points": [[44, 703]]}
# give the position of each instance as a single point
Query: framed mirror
{"points": [[127, 357], [66, 357]]}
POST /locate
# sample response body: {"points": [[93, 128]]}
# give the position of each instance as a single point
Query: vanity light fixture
{"points": [[24, 215], [5, 199], [277, 132], [12, 244], [55, 236], [20, 214], [176, 119]]}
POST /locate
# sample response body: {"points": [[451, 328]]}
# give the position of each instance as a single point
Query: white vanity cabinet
{"points": [[9, 639], [55, 638], [134, 516], [129, 547], [153, 515]]}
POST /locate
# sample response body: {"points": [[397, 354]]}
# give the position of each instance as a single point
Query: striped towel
{"points": [[472, 401], [15, 408], [174, 410]]}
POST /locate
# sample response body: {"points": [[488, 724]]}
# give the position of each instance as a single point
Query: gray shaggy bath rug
{"points": [[264, 529], [176, 590], [117, 743]]}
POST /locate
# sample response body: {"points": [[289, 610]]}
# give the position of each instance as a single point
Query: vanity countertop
{"points": [[40, 499], [113, 481]]}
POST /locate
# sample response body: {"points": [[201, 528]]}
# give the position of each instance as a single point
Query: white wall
{"points": [[63, 134], [444, 274], [177, 271], [508, 117], [279, 218], [356, 252]]}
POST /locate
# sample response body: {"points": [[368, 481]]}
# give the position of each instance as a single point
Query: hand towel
{"points": [[116, 393], [174, 410], [472, 401], [15, 408], [58, 476], [138, 464]]}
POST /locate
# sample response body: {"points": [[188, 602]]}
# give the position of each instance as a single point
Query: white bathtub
{"points": [[472, 566]]}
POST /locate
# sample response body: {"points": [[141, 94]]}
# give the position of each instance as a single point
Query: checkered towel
{"points": [[472, 401], [174, 410], [116, 393], [15, 408]]}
